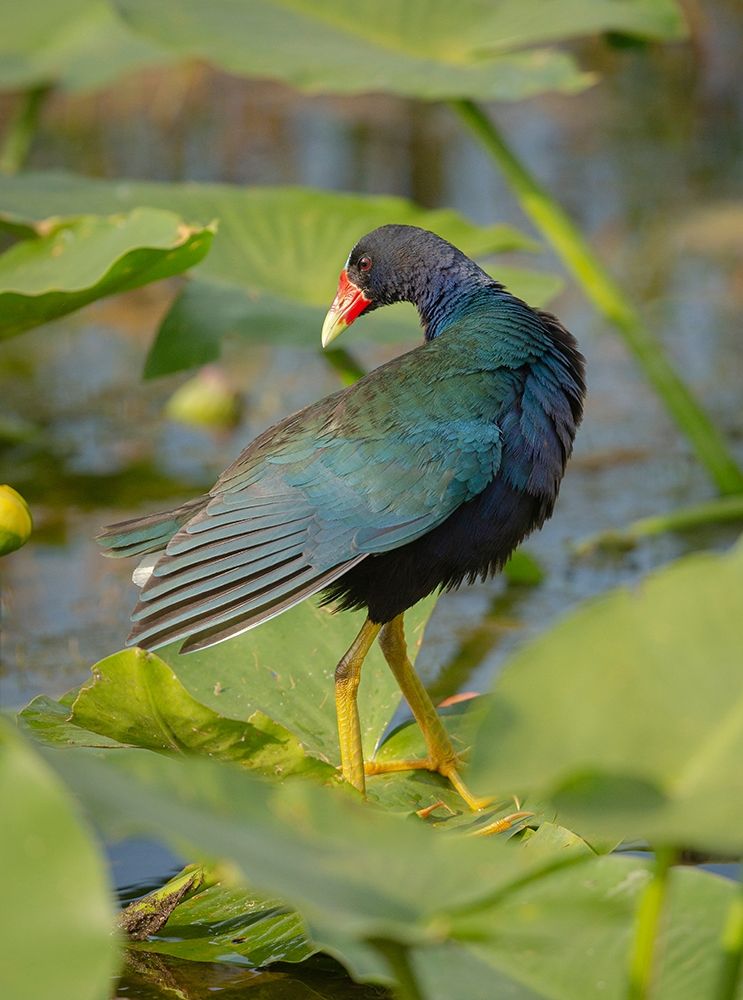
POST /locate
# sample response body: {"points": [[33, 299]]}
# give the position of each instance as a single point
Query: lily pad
{"points": [[285, 670], [264, 700], [135, 700], [75, 260], [427, 49], [301, 842], [79, 45], [568, 934], [273, 267], [470, 915], [56, 918], [225, 923], [637, 729]]}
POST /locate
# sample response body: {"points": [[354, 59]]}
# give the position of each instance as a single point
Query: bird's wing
{"points": [[362, 472]]}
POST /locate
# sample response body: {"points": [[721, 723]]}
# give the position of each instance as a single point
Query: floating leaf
{"points": [[57, 912], [302, 842], [74, 260], [135, 700], [628, 715], [230, 923], [285, 670], [265, 701]]}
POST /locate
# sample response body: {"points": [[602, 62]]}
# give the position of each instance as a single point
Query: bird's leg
{"points": [[347, 677], [442, 756]]}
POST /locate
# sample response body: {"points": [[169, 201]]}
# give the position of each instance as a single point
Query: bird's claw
{"points": [[448, 769], [500, 825]]}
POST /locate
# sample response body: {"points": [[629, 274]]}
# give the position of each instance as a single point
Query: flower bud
{"points": [[15, 520]]}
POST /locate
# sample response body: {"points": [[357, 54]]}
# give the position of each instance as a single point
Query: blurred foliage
{"points": [[68, 262], [275, 258], [473, 48], [56, 919], [75, 44], [670, 773]]}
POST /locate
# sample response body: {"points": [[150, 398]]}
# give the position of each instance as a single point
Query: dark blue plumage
{"points": [[427, 472]]}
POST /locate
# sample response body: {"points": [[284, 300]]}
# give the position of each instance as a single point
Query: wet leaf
{"points": [[57, 912], [75, 260], [628, 716], [223, 923]]}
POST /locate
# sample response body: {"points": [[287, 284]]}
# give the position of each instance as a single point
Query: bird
{"points": [[427, 472]]}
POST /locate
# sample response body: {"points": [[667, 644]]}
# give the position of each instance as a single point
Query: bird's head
{"points": [[391, 264]]}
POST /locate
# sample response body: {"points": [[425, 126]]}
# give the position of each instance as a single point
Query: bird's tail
{"points": [[150, 533]]}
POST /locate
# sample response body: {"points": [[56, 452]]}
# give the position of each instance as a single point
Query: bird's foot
{"points": [[448, 769]]}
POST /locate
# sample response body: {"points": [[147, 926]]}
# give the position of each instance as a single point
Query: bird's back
{"points": [[517, 377], [427, 471]]}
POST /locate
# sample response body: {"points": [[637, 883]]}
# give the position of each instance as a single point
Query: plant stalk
{"points": [[644, 950], [21, 129], [732, 949], [345, 365], [609, 299], [397, 957], [720, 511]]}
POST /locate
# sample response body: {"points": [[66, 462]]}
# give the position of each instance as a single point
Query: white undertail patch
{"points": [[145, 566]]}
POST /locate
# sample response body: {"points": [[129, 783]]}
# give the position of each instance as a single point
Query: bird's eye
{"points": [[365, 263]]}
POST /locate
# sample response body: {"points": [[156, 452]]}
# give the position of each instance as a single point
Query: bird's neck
{"points": [[451, 296]]}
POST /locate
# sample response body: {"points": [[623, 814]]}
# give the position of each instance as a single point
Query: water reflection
{"points": [[148, 976]]}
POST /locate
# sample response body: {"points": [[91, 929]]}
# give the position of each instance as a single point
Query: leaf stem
{"points": [[397, 957], [643, 954], [732, 949], [718, 511], [609, 299], [21, 129], [346, 366]]}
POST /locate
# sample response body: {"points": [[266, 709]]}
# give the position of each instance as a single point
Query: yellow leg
{"points": [[442, 756], [347, 677]]}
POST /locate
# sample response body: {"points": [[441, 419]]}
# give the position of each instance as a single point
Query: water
{"points": [[648, 164]]}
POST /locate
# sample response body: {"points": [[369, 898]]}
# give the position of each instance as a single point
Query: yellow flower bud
{"points": [[15, 520], [206, 400]]}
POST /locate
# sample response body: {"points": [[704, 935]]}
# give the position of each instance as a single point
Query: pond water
{"points": [[648, 163]]}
